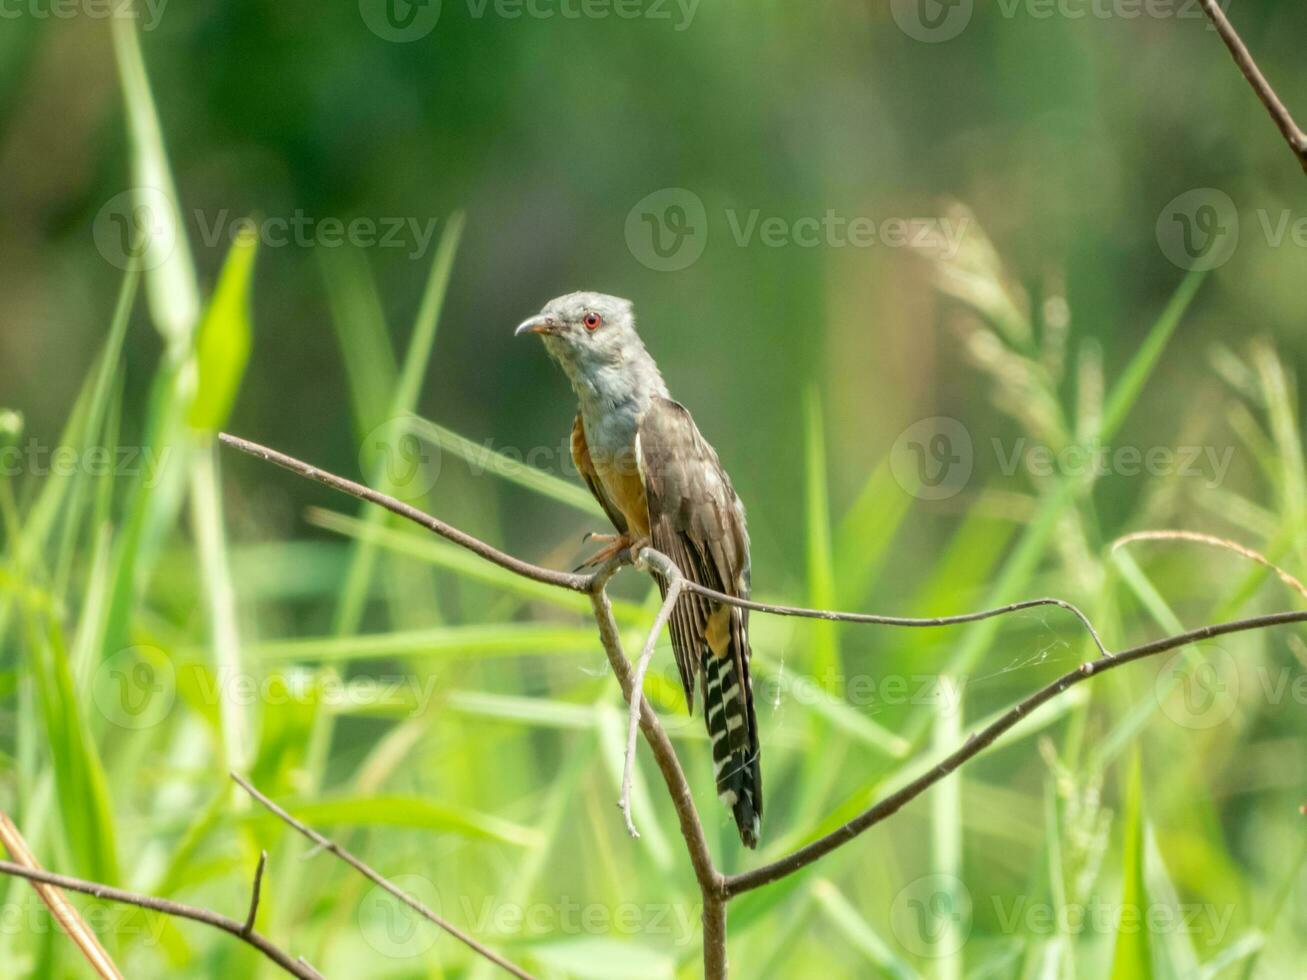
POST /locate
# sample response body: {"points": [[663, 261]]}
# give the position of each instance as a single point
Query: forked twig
{"points": [[327, 844], [295, 966], [716, 888]]}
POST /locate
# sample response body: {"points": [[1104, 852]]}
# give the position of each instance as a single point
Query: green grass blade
{"points": [[825, 651], [222, 347], [1130, 384], [860, 933], [411, 812], [506, 639], [865, 534], [483, 459], [170, 279], [1132, 957], [364, 338], [83, 789], [408, 387], [946, 841], [238, 719], [466, 565]]}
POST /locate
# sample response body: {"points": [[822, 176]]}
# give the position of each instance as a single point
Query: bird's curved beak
{"points": [[537, 324]]}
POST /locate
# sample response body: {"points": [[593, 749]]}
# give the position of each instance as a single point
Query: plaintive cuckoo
{"points": [[660, 483]]}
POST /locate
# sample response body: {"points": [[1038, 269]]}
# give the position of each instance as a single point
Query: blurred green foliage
{"points": [[168, 612]]}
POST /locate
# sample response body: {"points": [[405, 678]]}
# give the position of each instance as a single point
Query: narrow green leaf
{"points": [[1132, 958], [1131, 383], [408, 387], [170, 280], [223, 345], [483, 459], [364, 337], [821, 573], [512, 639], [410, 812], [866, 532], [859, 932]]}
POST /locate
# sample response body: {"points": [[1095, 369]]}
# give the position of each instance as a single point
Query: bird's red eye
{"points": [[592, 321]]}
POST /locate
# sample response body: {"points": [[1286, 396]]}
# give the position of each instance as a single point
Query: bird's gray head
{"points": [[592, 336]]}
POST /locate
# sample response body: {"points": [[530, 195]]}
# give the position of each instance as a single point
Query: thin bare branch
{"points": [[296, 967], [64, 912], [327, 844], [1215, 542], [978, 742], [565, 580], [675, 583], [255, 889], [711, 882], [1284, 121], [875, 619], [715, 888], [583, 583]]}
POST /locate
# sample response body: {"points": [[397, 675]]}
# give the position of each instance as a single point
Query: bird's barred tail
{"points": [[728, 710]]}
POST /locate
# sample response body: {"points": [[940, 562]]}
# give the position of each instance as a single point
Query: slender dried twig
{"points": [[64, 912], [711, 882], [1223, 543], [675, 583], [566, 580], [296, 967], [582, 583], [876, 619], [715, 888], [254, 893], [978, 742], [1284, 121], [327, 844]]}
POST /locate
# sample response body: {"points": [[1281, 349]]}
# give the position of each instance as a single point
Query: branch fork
{"points": [[716, 888]]}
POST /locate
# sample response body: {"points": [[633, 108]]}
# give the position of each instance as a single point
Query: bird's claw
{"points": [[616, 544]]}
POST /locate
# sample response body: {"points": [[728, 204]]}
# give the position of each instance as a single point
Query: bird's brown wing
{"points": [[585, 466], [696, 519]]}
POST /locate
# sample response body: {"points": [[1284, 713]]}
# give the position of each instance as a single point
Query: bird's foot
{"points": [[617, 543]]}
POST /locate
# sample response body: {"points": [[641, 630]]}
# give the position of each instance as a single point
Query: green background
{"points": [[1060, 322]]}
